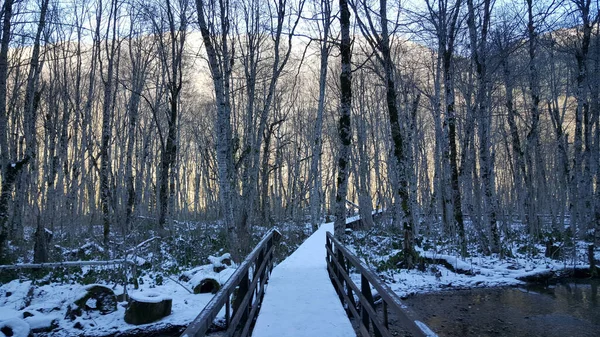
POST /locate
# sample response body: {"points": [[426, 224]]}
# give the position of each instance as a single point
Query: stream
{"points": [[569, 308]]}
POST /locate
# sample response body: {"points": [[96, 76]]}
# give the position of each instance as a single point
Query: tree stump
{"points": [[147, 308]]}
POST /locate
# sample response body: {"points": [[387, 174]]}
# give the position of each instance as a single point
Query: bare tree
{"points": [[479, 46], [170, 50], [344, 130], [112, 49], [315, 176], [445, 19], [10, 170], [219, 51]]}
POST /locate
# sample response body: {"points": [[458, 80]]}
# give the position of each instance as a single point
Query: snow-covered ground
{"points": [[30, 303], [477, 270], [27, 304], [40, 306]]}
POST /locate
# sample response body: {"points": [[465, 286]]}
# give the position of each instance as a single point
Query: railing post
{"points": [[259, 262], [228, 311], [340, 277], [385, 315], [339, 261], [328, 245], [241, 293], [364, 288], [240, 311], [348, 288]]}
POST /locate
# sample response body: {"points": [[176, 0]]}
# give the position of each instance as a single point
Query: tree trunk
{"points": [[315, 174], [221, 76], [344, 131], [5, 192], [478, 45], [106, 133], [447, 39], [31, 103]]}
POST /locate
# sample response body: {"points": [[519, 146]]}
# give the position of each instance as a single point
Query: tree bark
{"points": [[221, 74], [344, 131], [107, 116], [317, 145]]}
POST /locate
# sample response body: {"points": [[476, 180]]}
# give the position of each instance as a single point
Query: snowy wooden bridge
{"points": [[309, 294]]}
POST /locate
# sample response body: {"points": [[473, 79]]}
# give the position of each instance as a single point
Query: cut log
{"points": [[97, 297], [147, 308], [207, 285]]}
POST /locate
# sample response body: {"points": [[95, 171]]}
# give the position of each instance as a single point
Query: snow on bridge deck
{"points": [[300, 299]]}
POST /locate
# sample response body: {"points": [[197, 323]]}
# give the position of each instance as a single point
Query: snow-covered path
{"points": [[300, 299]]}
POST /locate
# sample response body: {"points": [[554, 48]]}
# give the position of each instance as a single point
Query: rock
{"points": [[146, 308], [97, 297], [207, 285], [14, 327]]}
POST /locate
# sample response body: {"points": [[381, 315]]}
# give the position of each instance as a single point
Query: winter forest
{"points": [[177, 129]]}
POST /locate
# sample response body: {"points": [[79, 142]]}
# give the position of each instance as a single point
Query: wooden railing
{"points": [[246, 286], [339, 261]]}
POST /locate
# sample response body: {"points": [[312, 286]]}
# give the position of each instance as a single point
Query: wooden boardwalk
{"points": [[300, 299]]}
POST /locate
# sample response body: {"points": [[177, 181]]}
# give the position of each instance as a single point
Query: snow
{"points": [[218, 261], [17, 326], [300, 299], [428, 332], [201, 273], [7, 313], [470, 272], [452, 260], [41, 321], [50, 302], [149, 297]]}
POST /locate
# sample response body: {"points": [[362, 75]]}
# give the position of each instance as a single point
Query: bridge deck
{"points": [[300, 299]]}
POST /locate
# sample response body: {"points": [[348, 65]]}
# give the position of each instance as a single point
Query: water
{"points": [[570, 308]]}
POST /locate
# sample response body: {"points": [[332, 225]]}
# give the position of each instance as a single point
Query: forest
{"points": [[122, 120]]}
